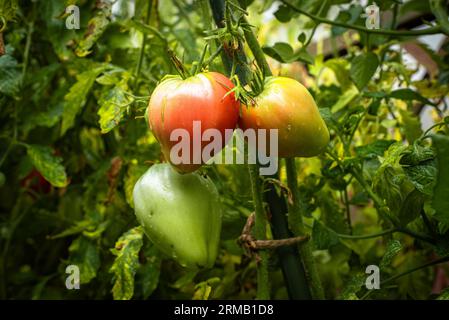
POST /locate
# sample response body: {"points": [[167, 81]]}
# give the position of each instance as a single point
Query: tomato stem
{"points": [[179, 66], [297, 226], [260, 232]]}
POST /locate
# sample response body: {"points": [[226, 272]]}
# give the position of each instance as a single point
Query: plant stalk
{"points": [[260, 232], [296, 224]]}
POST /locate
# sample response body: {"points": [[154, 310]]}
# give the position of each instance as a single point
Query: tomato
{"points": [[180, 213], [286, 105], [176, 103], [36, 182]]}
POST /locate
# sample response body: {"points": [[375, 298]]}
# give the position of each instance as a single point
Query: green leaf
{"points": [[444, 295], [113, 103], [352, 287], [340, 67], [149, 272], [441, 191], [10, 76], [363, 68], [84, 253], [135, 171], [97, 25], [393, 248], [323, 237], [284, 53], [389, 178], [126, 263], [345, 99], [204, 288], [419, 165], [302, 37], [48, 165], [284, 14], [374, 149], [77, 96], [8, 9], [409, 95], [411, 207], [411, 125]]}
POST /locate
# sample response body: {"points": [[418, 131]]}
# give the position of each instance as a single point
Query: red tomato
{"points": [[176, 103], [286, 105], [36, 182]]}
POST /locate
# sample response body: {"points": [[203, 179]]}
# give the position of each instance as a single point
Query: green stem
{"points": [[366, 236], [296, 224], [213, 56], [260, 232], [320, 11], [253, 44], [142, 48], [431, 30], [26, 54], [348, 210]]}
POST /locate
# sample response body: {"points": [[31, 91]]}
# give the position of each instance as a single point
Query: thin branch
{"points": [[411, 33]]}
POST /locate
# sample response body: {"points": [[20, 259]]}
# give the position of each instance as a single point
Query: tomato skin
{"points": [[180, 213], [176, 103], [286, 105]]}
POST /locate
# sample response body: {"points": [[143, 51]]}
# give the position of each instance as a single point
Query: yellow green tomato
{"points": [[286, 105]]}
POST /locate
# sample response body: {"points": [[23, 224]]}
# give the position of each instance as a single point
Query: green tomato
{"points": [[180, 213]]}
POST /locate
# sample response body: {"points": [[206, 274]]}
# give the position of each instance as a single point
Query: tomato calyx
{"points": [[247, 94]]}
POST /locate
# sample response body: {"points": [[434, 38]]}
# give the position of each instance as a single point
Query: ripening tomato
{"points": [[286, 105], [180, 213], [199, 102]]}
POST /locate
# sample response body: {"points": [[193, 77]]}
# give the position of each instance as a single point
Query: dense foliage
{"points": [[74, 141]]}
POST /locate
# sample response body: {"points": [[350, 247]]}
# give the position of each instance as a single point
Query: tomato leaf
{"points": [[97, 25], [323, 237], [409, 95], [374, 149], [149, 272], [363, 68], [393, 248], [48, 165], [284, 53], [441, 191], [419, 165], [10, 76], [85, 254], [412, 125], [76, 98], [126, 263]]}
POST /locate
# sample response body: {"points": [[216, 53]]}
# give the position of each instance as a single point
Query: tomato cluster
{"points": [[179, 209]]}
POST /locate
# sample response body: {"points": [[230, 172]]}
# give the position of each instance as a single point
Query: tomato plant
{"points": [[359, 200]]}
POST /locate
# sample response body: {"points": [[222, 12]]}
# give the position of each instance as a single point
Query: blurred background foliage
{"points": [[74, 141]]}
